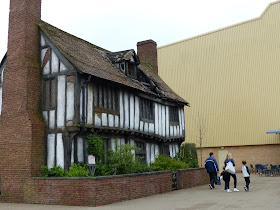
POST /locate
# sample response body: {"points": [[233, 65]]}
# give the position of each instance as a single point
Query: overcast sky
{"points": [[119, 25]]}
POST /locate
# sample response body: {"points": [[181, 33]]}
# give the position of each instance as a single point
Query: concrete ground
{"points": [[264, 193]]}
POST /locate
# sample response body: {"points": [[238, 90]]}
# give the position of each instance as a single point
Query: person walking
{"points": [[230, 159], [226, 177], [212, 169], [246, 174]]}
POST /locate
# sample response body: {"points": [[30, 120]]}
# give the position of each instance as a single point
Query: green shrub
{"points": [[189, 155], [122, 160], [54, 171], [95, 146], [165, 162], [77, 170]]}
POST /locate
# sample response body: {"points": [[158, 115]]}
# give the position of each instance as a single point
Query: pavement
{"points": [[264, 194]]}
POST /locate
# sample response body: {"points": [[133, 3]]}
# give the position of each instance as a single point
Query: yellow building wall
{"points": [[231, 78]]}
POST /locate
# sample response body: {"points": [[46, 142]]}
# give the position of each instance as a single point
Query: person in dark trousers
{"points": [[230, 159], [246, 174], [212, 169], [226, 178]]}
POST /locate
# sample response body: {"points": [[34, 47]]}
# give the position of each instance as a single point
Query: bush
{"points": [[189, 155], [77, 170], [95, 144], [122, 160], [165, 162], [54, 171]]}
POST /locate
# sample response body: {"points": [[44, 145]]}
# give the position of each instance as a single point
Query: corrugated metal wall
{"points": [[231, 77]]}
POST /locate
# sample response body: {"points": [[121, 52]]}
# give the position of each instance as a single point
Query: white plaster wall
{"points": [[167, 130], [151, 128], [45, 115], [104, 119], [141, 126], [160, 120], [97, 120], [62, 67], [122, 141], [121, 110], [90, 104], [50, 149], [70, 102], [177, 148], [59, 151], [81, 105], [137, 114], [61, 101], [180, 122], [132, 142], [131, 111], [43, 53], [126, 113], [42, 41], [171, 131], [171, 150], [183, 118], [111, 120], [46, 69], [153, 153], [54, 61], [148, 153], [175, 130], [156, 150], [80, 149], [72, 153], [163, 120], [146, 127], [156, 118], [52, 119], [113, 144], [116, 121]]}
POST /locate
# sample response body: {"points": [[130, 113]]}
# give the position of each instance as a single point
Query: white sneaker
{"points": [[229, 190], [235, 190]]}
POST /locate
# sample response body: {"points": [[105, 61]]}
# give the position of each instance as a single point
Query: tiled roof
{"points": [[125, 55], [93, 60]]}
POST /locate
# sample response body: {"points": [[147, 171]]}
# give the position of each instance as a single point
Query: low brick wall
{"points": [[97, 191], [192, 177]]}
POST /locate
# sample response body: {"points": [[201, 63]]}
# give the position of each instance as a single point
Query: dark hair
{"points": [[244, 162], [211, 153]]}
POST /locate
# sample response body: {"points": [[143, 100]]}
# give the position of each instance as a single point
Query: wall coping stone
{"points": [[102, 177]]}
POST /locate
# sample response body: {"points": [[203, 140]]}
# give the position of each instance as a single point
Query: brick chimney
{"points": [[147, 53], [22, 130]]}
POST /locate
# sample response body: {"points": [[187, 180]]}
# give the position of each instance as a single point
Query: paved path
{"points": [[264, 193]]}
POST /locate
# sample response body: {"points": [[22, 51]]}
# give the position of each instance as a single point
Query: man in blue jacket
{"points": [[212, 169]]}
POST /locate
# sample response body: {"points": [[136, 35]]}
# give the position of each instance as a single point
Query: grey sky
{"points": [[119, 25]]}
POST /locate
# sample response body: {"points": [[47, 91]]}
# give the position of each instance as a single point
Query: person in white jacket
{"points": [[246, 174]]}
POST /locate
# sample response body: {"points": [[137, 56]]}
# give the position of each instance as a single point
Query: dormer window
{"points": [[131, 68]]}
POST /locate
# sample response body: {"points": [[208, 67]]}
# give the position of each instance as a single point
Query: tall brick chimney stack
{"points": [[147, 53], [22, 130]]}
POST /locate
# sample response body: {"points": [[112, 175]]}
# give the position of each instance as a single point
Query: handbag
{"points": [[230, 168]]}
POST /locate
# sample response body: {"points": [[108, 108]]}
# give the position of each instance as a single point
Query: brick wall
{"points": [[99, 191], [192, 177], [254, 154], [22, 149]]}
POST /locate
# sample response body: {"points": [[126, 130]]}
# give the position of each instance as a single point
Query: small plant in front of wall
{"points": [[95, 147]]}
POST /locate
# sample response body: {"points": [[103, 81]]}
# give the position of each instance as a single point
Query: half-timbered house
{"points": [[86, 88]]}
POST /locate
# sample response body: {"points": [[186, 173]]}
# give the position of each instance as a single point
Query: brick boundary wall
{"points": [[98, 191], [188, 178]]}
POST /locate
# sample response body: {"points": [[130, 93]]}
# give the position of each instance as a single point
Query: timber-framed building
{"points": [[119, 95]]}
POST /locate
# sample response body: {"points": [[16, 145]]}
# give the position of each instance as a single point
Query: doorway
{"points": [[221, 158]]}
